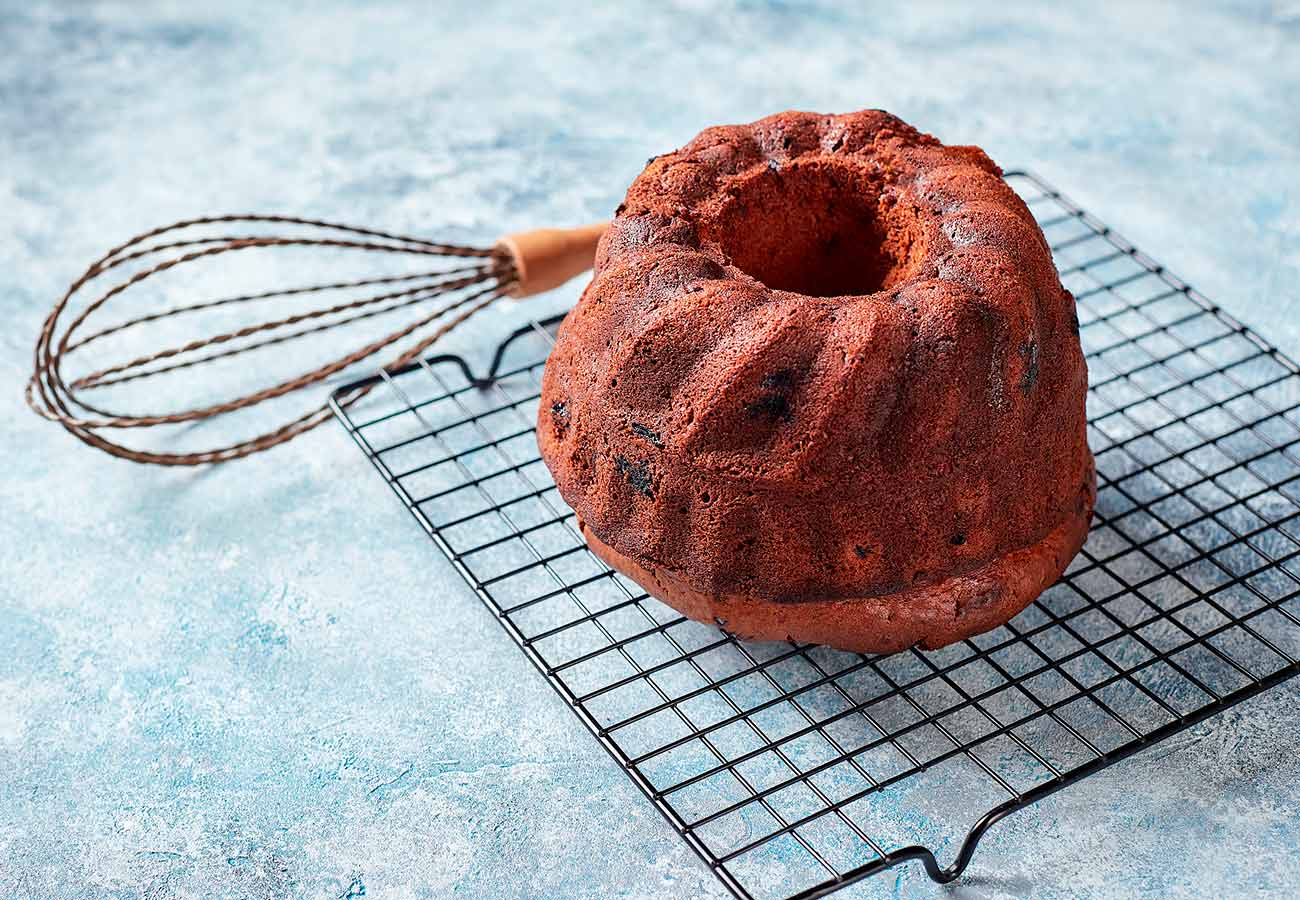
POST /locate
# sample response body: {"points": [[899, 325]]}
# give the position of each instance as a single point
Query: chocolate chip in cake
{"points": [[636, 473], [560, 417], [1029, 351], [772, 406], [780, 380], [774, 403], [642, 431]]}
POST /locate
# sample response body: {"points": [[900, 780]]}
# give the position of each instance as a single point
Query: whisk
{"points": [[451, 284]]}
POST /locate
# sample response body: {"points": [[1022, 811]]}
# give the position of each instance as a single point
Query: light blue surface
{"points": [[262, 681]]}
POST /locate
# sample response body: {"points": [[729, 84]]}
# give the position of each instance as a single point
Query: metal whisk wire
{"points": [[446, 296]]}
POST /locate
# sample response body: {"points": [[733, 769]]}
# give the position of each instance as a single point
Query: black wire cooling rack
{"points": [[793, 770]]}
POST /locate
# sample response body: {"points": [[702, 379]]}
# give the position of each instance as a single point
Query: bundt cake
{"points": [[825, 386]]}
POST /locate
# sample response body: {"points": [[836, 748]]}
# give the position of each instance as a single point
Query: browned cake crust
{"points": [[826, 386]]}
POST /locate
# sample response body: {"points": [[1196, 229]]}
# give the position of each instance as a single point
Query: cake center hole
{"points": [[817, 228]]}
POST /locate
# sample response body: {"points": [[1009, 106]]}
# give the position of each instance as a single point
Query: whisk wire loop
{"points": [[477, 278]]}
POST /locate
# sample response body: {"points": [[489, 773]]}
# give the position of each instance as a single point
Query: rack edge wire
{"points": [[937, 872]]}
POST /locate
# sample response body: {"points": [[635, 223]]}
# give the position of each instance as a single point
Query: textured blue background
{"points": [[262, 681]]}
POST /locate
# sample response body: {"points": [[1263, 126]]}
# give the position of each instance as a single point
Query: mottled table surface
{"points": [[262, 681]]}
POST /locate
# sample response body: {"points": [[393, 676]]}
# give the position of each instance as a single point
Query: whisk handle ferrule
{"points": [[546, 258]]}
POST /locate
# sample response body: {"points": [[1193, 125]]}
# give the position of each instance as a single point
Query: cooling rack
{"points": [[793, 770]]}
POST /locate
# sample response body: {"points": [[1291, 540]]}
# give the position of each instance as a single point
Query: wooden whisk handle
{"points": [[548, 257]]}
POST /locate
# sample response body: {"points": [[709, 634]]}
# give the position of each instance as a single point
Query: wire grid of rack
{"points": [[793, 770]]}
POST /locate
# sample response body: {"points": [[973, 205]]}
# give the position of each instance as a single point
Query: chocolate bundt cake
{"points": [[825, 386]]}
